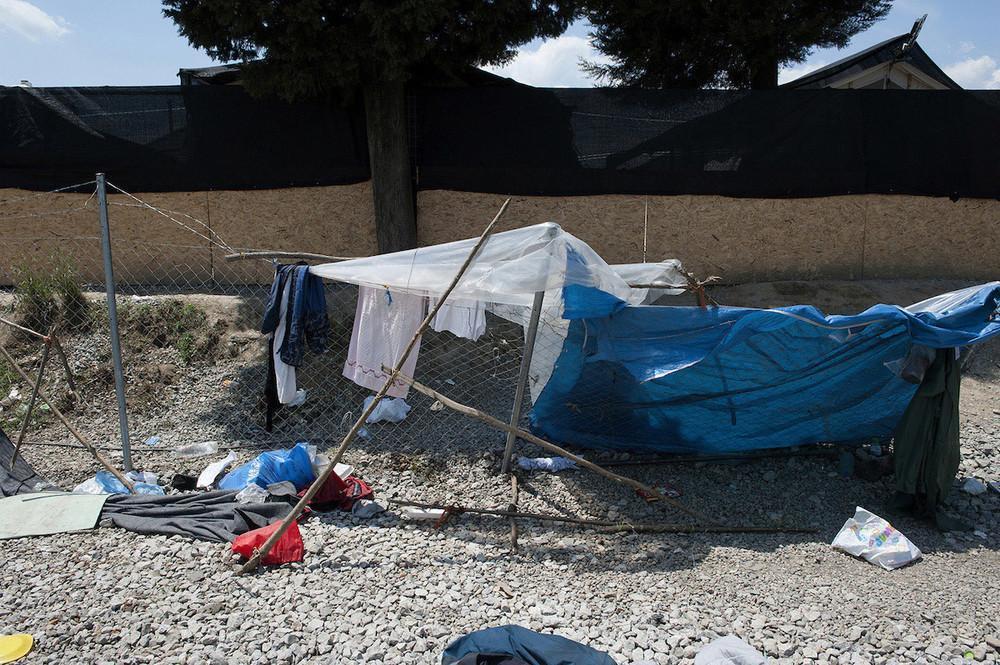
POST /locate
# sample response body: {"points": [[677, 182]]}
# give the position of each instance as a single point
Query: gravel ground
{"points": [[388, 591]]}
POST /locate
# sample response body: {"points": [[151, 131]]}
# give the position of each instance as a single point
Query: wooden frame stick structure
{"points": [[605, 525], [254, 561], [51, 337], [34, 397], [72, 430], [551, 447]]}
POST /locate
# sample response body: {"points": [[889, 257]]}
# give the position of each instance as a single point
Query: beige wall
{"points": [[150, 247], [839, 237]]}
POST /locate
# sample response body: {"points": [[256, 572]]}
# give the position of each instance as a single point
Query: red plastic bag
{"points": [[288, 549], [340, 493]]}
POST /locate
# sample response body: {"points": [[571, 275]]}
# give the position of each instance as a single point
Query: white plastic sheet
{"points": [[510, 268], [869, 536], [212, 472], [942, 303]]}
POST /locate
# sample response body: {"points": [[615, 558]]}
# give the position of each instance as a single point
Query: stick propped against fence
{"points": [[255, 560]]}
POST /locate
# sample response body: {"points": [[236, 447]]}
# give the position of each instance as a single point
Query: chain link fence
{"points": [[194, 362]]}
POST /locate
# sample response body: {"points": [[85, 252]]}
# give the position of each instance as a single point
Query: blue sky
{"points": [[128, 42]]}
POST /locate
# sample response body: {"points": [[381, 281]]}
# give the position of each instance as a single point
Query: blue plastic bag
{"points": [[104, 482], [293, 464]]}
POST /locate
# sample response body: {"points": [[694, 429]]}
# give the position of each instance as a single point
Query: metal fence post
{"points": [[116, 349], [522, 377]]}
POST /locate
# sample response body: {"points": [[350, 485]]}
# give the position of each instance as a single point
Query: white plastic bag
{"points": [[729, 650], [869, 536], [215, 469], [252, 493], [550, 464], [389, 409]]}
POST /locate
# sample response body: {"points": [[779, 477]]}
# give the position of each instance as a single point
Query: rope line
{"points": [[52, 191], [221, 243]]}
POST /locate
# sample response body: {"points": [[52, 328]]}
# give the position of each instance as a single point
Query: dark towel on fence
{"points": [[214, 516], [926, 445], [22, 478]]}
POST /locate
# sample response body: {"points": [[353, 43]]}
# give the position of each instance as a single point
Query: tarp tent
{"points": [[625, 374], [511, 268]]}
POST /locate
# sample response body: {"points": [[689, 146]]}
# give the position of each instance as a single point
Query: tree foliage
{"points": [[308, 47], [716, 43]]}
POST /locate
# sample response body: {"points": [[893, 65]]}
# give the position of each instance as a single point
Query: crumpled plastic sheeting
{"points": [[104, 482]]}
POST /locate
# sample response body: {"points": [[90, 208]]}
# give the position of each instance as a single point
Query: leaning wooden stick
{"points": [[22, 328], [31, 402], [268, 254], [528, 436], [66, 368], [72, 430], [254, 561], [607, 526]]}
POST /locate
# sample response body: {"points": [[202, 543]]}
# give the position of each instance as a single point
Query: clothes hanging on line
{"points": [[461, 317], [284, 373], [307, 322], [384, 323], [295, 316]]}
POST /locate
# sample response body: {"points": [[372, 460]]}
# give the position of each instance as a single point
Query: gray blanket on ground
{"points": [[22, 478], [213, 516]]}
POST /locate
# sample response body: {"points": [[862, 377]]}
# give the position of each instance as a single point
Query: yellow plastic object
{"points": [[15, 647]]}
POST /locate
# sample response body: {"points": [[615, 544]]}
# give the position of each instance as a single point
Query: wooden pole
{"points": [[254, 561], [551, 447], [607, 525], [31, 402], [271, 254], [22, 328], [66, 368], [72, 430]]}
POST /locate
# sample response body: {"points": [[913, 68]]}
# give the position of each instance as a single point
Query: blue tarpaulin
{"points": [[688, 379]]}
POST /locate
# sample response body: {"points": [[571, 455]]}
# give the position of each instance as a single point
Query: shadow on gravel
{"points": [[796, 492]]}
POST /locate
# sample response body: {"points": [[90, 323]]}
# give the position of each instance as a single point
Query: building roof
{"points": [[891, 50], [232, 74]]}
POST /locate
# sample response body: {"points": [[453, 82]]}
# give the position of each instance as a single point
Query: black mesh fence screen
{"points": [[516, 139]]}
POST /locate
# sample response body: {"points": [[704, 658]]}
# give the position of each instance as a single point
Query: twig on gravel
{"points": [[512, 507], [254, 561], [741, 457], [72, 430], [606, 525], [538, 441]]}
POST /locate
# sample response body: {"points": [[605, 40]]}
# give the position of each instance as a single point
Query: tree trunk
{"points": [[764, 73], [389, 159]]}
